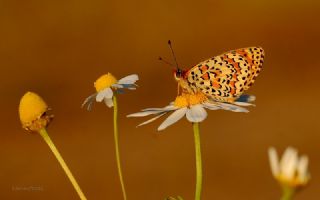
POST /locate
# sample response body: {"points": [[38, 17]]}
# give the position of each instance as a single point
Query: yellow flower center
{"points": [[181, 101], [104, 81], [185, 100], [295, 182], [31, 112]]}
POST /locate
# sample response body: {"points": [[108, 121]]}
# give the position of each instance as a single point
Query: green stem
{"points": [[196, 132], [64, 166], [287, 193], [116, 142]]}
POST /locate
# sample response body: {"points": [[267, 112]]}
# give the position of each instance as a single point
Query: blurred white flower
{"points": [[173, 198], [190, 105], [106, 85], [291, 171]]}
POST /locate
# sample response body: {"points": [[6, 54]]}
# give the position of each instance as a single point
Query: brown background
{"points": [[58, 48]]}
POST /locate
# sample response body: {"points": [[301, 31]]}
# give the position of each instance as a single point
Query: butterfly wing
{"points": [[227, 76]]}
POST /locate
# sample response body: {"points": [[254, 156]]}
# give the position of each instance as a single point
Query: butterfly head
{"points": [[179, 74]]}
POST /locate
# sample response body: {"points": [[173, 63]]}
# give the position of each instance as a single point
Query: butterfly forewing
{"points": [[227, 76]]}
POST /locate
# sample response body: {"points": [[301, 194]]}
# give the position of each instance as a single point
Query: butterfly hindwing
{"points": [[227, 76]]}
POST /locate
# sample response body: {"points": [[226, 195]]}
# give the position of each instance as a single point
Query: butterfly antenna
{"points": [[174, 56], [165, 61]]}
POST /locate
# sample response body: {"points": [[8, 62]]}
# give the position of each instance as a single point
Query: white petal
{"points": [[251, 98], [230, 107], [108, 102], [145, 113], [131, 79], [303, 168], [167, 108], [289, 162], [196, 113], [239, 103], [274, 161], [89, 101], [117, 86], [173, 118], [211, 106], [105, 93], [152, 119]]}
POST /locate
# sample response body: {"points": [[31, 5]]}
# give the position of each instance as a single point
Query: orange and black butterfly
{"points": [[224, 77]]}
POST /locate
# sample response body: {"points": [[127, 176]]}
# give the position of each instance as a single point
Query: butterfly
{"points": [[225, 77]]}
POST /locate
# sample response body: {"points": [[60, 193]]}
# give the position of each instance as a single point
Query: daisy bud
{"points": [[32, 112]]}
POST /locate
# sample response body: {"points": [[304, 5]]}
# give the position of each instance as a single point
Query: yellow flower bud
{"points": [[32, 112]]}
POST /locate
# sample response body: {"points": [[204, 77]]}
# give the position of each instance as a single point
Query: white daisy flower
{"points": [[291, 171], [106, 85], [192, 106]]}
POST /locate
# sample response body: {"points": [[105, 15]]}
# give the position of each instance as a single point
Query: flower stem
{"points": [[45, 136], [116, 142], [196, 132], [287, 193]]}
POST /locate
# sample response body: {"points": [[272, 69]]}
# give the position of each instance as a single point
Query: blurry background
{"points": [[58, 48]]}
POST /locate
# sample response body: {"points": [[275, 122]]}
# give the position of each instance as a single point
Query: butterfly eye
{"points": [[179, 73]]}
